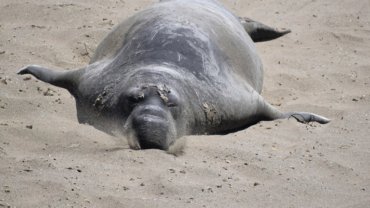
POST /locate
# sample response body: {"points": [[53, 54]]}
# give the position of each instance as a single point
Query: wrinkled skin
{"points": [[177, 68]]}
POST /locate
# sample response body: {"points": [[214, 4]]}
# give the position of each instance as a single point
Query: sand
{"points": [[47, 159]]}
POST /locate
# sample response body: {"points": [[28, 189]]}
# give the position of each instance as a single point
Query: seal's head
{"points": [[153, 114]]}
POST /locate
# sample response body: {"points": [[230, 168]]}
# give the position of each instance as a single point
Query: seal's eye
{"points": [[136, 97], [173, 100], [171, 104]]}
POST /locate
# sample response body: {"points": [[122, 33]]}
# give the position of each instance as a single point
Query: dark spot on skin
{"points": [[211, 114]]}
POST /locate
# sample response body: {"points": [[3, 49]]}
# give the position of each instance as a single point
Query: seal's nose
{"points": [[151, 126], [151, 133]]}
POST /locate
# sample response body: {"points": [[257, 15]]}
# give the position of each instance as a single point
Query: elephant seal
{"points": [[179, 67]]}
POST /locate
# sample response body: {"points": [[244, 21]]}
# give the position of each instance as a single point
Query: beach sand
{"points": [[47, 159]]}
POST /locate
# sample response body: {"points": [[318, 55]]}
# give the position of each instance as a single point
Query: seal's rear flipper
{"points": [[269, 113], [260, 32], [305, 117], [64, 79]]}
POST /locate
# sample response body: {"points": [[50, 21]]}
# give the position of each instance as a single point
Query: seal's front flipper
{"points": [[305, 117], [260, 32], [64, 79]]}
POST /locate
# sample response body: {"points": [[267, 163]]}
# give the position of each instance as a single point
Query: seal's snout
{"points": [[154, 108], [152, 126]]}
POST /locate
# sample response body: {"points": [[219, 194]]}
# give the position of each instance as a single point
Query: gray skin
{"points": [[179, 67]]}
